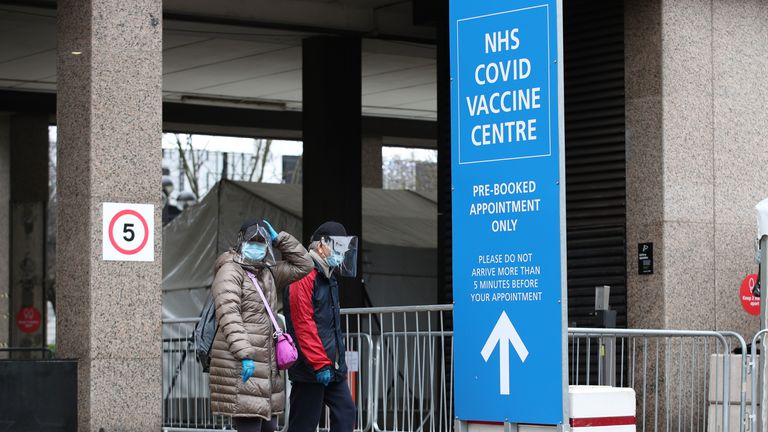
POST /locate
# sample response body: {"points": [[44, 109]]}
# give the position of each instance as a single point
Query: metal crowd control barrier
{"points": [[758, 379], [413, 375], [743, 383], [187, 398], [360, 378], [681, 378], [401, 373]]}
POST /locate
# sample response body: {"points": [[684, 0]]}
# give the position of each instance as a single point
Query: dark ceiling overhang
{"points": [[242, 122]]}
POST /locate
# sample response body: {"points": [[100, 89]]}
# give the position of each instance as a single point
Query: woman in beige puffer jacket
{"points": [[245, 331]]}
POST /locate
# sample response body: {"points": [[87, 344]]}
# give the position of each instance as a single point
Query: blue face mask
{"points": [[254, 251], [335, 259]]}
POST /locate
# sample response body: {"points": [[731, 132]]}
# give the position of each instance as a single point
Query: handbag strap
{"points": [[278, 330]]}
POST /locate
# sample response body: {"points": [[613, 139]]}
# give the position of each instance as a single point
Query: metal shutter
{"points": [[593, 38]]}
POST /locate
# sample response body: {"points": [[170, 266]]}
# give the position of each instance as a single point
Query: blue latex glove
{"points": [[323, 376], [248, 368], [272, 232]]}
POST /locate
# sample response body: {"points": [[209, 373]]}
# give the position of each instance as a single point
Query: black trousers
{"points": [[308, 400], [255, 424]]}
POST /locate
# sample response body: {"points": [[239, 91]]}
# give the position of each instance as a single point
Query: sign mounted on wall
{"points": [[128, 232], [508, 204], [749, 301], [29, 319], [645, 258]]}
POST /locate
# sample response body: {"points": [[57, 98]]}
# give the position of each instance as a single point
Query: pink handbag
{"points": [[285, 351]]}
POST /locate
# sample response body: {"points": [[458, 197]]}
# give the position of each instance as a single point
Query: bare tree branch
{"points": [[258, 146], [410, 174], [189, 161], [264, 156]]}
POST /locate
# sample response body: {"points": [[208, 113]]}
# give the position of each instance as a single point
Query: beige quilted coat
{"points": [[245, 332]]}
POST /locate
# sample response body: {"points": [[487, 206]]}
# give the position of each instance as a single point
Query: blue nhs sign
{"points": [[508, 211], [503, 84]]}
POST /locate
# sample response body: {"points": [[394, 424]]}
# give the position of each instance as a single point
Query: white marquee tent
{"points": [[399, 241]]}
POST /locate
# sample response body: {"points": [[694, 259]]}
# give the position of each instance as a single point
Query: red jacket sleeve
{"points": [[303, 317]]}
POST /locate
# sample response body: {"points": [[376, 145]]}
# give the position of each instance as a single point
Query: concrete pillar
{"points": [[109, 109], [29, 198], [5, 223], [372, 174], [29, 158], [696, 157], [332, 165]]}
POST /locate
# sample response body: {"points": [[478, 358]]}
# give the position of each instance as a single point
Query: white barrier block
{"points": [[629, 428], [716, 379], [592, 409], [715, 417], [489, 427], [602, 409]]}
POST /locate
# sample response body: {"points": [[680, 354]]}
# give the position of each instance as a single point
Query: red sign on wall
{"points": [[750, 303], [29, 319]]}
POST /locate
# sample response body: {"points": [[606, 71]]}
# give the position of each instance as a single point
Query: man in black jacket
{"points": [[311, 306]]}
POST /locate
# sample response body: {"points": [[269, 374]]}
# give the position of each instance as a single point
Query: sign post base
{"points": [[469, 426]]}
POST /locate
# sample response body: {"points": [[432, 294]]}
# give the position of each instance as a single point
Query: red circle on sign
{"points": [[112, 236], [750, 303], [29, 319]]}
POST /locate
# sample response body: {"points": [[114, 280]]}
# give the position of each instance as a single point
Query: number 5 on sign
{"points": [[128, 232]]}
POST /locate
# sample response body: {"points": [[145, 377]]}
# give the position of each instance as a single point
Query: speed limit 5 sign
{"points": [[129, 232]]}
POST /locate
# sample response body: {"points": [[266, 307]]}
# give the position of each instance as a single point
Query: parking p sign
{"points": [[128, 232]]}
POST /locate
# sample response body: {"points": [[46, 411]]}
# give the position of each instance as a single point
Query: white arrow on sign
{"points": [[503, 334]]}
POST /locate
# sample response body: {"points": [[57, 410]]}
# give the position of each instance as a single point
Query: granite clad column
{"points": [[696, 157], [642, 42], [696, 166], [109, 132], [332, 186]]}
